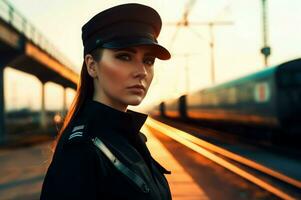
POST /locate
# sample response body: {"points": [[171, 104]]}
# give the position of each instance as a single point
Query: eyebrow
{"points": [[132, 50]]}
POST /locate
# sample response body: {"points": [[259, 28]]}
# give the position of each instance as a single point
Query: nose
{"points": [[140, 71]]}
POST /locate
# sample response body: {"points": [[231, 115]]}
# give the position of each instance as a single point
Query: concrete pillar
{"points": [[64, 111], [2, 106], [43, 117], [5, 58]]}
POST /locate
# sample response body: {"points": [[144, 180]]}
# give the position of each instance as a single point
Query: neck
{"points": [[111, 103], [103, 118]]}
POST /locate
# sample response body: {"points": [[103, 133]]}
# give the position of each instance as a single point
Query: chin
{"points": [[134, 101]]}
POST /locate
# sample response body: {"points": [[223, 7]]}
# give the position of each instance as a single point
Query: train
{"points": [[268, 98]]}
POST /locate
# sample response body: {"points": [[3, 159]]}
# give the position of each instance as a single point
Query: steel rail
{"points": [[204, 148]]}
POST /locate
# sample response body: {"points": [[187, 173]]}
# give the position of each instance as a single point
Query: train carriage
{"points": [[269, 98]]}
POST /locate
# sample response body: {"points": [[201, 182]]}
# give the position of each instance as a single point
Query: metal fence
{"points": [[19, 22]]}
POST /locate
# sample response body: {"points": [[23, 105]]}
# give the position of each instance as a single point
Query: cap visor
{"points": [[158, 50]]}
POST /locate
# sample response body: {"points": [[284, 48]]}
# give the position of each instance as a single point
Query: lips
{"points": [[138, 87]]}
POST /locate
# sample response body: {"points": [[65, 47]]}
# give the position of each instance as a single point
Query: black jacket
{"points": [[80, 170]]}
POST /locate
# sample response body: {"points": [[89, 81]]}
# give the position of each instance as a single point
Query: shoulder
{"points": [[77, 143], [74, 143], [75, 133], [76, 151]]}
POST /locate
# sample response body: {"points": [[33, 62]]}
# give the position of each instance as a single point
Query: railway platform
{"points": [[23, 170], [200, 170], [182, 186]]}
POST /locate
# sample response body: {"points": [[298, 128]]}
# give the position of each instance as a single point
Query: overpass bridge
{"points": [[24, 48]]}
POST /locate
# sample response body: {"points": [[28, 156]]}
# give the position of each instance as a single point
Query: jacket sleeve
{"points": [[73, 174]]}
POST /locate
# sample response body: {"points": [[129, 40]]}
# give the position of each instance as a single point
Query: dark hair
{"points": [[84, 92]]}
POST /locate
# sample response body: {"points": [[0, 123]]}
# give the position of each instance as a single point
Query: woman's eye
{"points": [[125, 57], [149, 61]]}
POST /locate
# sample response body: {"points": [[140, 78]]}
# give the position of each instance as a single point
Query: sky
{"points": [[237, 46]]}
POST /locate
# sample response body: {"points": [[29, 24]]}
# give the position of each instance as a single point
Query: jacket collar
{"points": [[103, 118]]}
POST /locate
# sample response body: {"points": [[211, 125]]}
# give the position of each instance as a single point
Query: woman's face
{"points": [[118, 71]]}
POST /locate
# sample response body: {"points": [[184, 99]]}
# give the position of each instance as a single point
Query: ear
{"points": [[91, 66]]}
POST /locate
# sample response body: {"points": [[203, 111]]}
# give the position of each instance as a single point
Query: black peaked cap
{"points": [[124, 26]]}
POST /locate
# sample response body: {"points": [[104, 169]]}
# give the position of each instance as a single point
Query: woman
{"points": [[100, 152]]}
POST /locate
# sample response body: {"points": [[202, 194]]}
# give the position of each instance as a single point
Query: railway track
{"points": [[275, 182]]}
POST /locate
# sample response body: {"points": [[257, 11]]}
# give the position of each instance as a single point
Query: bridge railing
{"points": [[19, 22]]}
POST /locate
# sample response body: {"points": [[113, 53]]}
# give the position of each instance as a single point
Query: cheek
{"points": [[113, 77], [149, 77]]}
